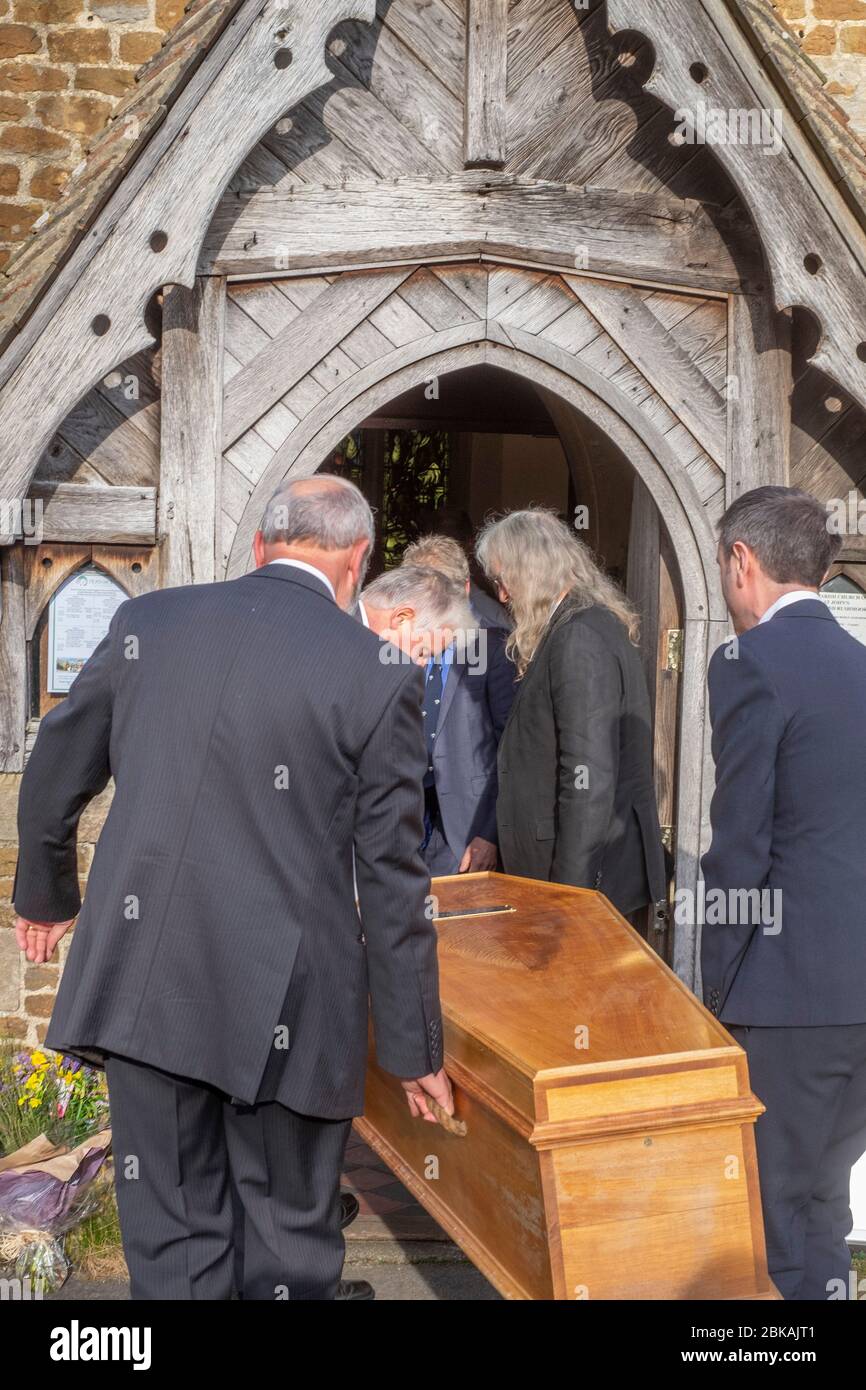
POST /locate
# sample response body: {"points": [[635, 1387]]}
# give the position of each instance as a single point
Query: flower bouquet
{"points": [[56, 1112]]}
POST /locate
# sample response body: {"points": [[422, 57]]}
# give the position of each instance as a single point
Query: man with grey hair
{"points": [[426, 614], [257, 744], [784, 955], [418, 610], [447, 540]]}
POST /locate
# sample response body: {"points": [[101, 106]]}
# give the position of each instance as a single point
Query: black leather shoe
{"points": [[349, 1209], [356, 1289]]}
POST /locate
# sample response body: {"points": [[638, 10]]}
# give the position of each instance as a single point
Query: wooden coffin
{"points": [[609, 1147]]}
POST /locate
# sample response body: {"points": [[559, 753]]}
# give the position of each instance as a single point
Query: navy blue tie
{"points": [[432, 705]]}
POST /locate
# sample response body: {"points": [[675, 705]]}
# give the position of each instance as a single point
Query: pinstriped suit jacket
{"points": [[254, 736]]}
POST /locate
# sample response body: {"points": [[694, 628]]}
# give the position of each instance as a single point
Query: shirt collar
{"points": [[795, 596], [556, 604], [309, 569], [446, 659]]}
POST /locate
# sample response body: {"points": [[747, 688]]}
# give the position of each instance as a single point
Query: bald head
{"points": [[323, 520], [324, 511]]}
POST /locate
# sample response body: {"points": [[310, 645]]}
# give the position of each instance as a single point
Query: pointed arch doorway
{"points": [[635, 457]]}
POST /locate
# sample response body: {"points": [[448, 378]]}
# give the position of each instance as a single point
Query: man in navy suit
{"points": [[472, 719], [784, 960], [469, 686]]}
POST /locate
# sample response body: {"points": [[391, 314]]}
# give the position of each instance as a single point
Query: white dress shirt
{"points": [[795, 596], [310, 569]]}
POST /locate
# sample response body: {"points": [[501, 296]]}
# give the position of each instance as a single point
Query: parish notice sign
{"points": [[78, 619]]}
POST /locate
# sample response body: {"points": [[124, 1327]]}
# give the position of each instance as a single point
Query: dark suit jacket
{"points": [[789, 816], [475, 706], [220, 902], [583, 703], [490, 612]]}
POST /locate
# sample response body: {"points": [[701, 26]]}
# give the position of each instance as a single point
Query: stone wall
{"points": [[27, 991], [833, 33], [64, 66]]}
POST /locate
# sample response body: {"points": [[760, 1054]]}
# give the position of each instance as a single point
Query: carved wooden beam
{"points": [[97, 515], [708, 74], [486, 63], [653, 237], [269, 59]]}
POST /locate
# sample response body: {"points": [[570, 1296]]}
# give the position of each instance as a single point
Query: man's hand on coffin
{"points": [[478, 856], [435, 1087]]}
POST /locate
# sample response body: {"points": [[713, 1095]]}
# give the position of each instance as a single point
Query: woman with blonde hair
{"points": [[576, 797]]}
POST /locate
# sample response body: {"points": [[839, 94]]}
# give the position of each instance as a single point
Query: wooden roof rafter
{"points": [[269, 56], [810, 226], [151, 228]]}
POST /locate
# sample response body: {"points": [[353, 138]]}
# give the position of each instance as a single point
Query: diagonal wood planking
{"points": [[301, 346], [435, 32], [507, 305], [425, 303], [406, 87], [623, 314]]}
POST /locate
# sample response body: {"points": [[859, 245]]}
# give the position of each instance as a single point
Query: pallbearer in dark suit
{"points": [[784, 942], [219, 967], [576, 796]]}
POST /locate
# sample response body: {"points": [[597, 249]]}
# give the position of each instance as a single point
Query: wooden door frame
{"points": [[653, 460]]}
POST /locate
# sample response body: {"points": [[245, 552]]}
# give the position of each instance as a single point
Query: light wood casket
{"points": [[609, 1149]]}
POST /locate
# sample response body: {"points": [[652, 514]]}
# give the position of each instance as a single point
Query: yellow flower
{"points": [[32, 1082], [21, 1100], [35, 1103], [39, 1059]]}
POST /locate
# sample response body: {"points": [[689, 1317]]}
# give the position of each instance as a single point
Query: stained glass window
{"points": [[415, 480], [402, 473]]}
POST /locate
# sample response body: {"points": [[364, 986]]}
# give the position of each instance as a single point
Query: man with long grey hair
{"points": [[425, 613], [576, 796], [255, 739]]}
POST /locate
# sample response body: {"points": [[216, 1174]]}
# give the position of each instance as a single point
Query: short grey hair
{"points": [[437, 600], [788, 531], [333, 516], [439, 553]]}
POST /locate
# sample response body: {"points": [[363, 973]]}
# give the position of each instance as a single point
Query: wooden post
{"points": [[642, 577], [669, 662], [13, 661], [191, 454], [652, 585], [758, 395], [486, 59]]}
